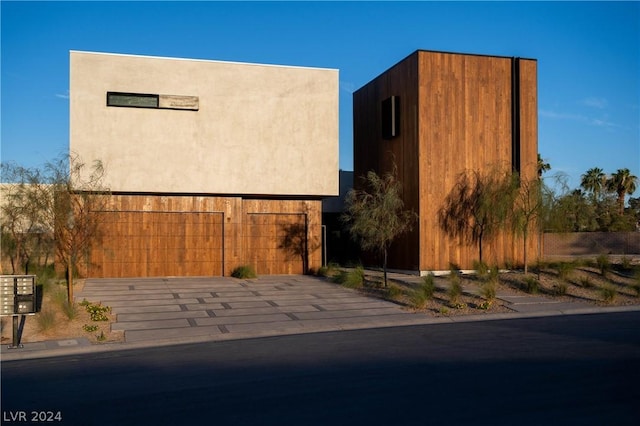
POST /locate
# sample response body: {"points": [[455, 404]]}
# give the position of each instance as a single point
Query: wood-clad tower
{"points": [[436, 115]]}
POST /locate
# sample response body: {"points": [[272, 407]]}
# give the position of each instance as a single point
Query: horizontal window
{"points": [[146, 100], [133, 100]]}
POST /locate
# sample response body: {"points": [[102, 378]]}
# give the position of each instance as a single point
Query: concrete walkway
{"points": [[163, 311]]}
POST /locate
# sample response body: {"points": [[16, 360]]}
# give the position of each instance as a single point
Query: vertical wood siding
{"points": [[165, 235], [456, 116]]}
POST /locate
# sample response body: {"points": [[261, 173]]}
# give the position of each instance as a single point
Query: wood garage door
{"points": [[276, 243], [154, 244]]}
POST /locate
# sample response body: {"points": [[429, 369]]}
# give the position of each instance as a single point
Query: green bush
{"points": [[604, 264], [494, 274], [455, 288], [560, 289], [608, 294], [394, 292], [354, 278], [244, 272], [46, 319], [423, 293], [90, 328], [428, 286], [482, 270], [586, 282], [565, 269], [98, 312], [69, 309], [340, 277], [351, 279], [488, 291], [59, 295], [328, 271], [531, 285]]}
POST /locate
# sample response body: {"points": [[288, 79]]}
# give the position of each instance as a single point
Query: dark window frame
{"points": [[110, 102]]}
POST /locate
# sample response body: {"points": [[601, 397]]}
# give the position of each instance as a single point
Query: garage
{"points": [[153, 244], [276, 243]]}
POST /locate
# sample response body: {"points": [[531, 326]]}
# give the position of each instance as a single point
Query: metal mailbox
{"points": [[17, 294]]}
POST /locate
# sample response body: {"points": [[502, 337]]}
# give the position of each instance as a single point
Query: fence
{"points": [[591, 243]]}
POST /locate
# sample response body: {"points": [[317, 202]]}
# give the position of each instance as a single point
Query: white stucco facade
{"points": [[257, 129]]}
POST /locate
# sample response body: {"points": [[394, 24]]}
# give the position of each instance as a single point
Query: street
{"points": [[569, 370]]}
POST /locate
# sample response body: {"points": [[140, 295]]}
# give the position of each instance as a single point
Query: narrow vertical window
{"points": [[391, 117]]}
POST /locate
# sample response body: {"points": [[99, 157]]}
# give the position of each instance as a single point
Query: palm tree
{"points": [[594, 181], [622, 183], [543, 166]]}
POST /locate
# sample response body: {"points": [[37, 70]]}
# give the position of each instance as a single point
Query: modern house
{"points": [[437, 115], [210, 165]]}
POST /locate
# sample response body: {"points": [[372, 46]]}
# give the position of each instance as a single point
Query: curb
{"points": [[77, 346]]}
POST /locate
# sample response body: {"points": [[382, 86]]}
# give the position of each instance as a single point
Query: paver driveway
{"points": [[155, 309]]}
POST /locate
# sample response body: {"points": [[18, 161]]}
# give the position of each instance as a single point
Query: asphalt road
{"points": [[564, 370]]}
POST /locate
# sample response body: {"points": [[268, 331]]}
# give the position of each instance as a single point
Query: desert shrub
{"points": [[608, 293], [394, 292], [494, 274], [90, 328], [351, 279], [355, 278], [604, 264], [560, 289], [482, 270], [484, 305], [243, 272], [565, 269], [626, 263], [531, 285], [70, 310], [488, 291], [98, 312], [424, 292], [455, 288], [328, 271], [586, 282], [59, 295], [46, 319]]}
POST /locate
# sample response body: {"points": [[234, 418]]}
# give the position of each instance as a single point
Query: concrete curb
{"points": [[70, 347]]}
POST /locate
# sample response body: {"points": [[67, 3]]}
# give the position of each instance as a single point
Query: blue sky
{"points": [[588, 59]]}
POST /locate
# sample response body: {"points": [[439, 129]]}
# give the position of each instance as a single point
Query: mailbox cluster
{"points": [[17, 294]]}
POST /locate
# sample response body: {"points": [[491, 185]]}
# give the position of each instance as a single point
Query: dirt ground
{"points": [[59, 326], [581, 282]]}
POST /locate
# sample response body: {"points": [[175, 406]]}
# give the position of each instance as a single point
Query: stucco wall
{"points": [[260, 129]]}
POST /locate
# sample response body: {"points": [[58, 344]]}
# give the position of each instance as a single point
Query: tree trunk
{"points": [[621, 203], [526, 268], [70, 283], [384, 266]]}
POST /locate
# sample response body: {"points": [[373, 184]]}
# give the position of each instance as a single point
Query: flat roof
{"points": [[198, 60]]}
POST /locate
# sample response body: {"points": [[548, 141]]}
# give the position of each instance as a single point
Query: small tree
{"points": [[23, 220], [527, 209], [375, 214], [478, 206], [76, 193]]}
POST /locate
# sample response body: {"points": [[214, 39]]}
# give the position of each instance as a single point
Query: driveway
{"points": [[217, 308]]}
